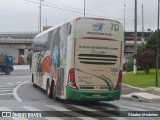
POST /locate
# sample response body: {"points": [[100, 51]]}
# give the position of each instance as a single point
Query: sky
{"points": [[23, 15]]}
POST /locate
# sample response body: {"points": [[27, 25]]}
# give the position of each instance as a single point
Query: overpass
{"points": [[17, 37], [13, 43]]}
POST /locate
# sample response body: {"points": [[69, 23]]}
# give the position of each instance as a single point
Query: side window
{"points": [[70, 30]]}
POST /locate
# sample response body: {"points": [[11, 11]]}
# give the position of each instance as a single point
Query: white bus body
{"points": [[80, 60]]}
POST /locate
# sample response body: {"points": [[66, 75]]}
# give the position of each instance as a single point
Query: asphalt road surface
{"points": [[17, 94]]}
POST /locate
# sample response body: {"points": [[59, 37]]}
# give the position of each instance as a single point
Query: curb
{"points": [[140, 98], [143, 89]]}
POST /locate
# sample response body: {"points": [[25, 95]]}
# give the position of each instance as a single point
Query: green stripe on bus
{"points": [[106, 81]]}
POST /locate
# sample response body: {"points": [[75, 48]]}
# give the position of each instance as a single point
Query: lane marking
{"points": [[150, 107], [89, 109], [132, 108], [62, 109], [87, 118], [7, 94], [15, 91], [58, 108], [19, 118], [83, 108], [30, 108], [118, 118], [53, 118], [5, 109], [13, 83], [6, 88], [5, 91]]}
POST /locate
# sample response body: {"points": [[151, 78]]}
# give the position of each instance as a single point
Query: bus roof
{"points": [[77, 19]]}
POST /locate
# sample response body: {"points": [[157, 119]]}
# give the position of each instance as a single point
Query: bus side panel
{"points": [[59, 56], [41, 60]]}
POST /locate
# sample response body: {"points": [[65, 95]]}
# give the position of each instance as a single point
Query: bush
{"points": [[128, 66], [146, 59]]}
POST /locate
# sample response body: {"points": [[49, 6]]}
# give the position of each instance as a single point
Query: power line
{"points": [[86, 9], [75, 11]]}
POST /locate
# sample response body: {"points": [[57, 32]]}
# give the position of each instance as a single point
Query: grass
{"points": [[141, 79]]}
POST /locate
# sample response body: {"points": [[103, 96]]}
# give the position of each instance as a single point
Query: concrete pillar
{"points": [[25, 56]]}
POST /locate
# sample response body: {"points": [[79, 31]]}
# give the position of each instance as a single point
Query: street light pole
{"points": [[157, 47], [40, 6], [124, 19], [135, 39], [84, 8], [142, 24]]}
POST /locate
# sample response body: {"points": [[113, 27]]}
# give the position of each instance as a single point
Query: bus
{"points": [[80, 59]]}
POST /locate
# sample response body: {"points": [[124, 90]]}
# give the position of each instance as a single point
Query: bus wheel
{"points": [[54, 92], [48, 89]]}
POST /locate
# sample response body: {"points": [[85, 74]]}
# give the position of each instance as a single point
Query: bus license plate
{"points": [[96, 95]]}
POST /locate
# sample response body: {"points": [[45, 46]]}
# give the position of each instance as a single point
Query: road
{"points": [[19, 95]]}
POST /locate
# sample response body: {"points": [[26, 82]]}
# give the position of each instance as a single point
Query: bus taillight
{"points": [[71, 81], [118, 86]]}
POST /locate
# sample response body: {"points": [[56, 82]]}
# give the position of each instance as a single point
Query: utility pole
{"points": [[135, 39], [84, 8], [124, 19], [124, 27], [157, 47], [40, 6], [142, 24]]}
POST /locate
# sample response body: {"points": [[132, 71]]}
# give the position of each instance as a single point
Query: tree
{"points": [[146, 59], [141, 47], [151, 42], [128, 66]]}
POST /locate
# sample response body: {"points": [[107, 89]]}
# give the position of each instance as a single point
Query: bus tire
{"points": [[53, 90], [48, 90], [7, 71], [33, 80]]}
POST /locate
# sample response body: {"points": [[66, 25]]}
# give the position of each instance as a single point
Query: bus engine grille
{"points": [[97, 59]]}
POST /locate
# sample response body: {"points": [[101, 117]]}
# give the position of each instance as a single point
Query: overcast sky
{"points": [[23, 15]]}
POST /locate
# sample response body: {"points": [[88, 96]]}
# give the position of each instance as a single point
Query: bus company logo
{"points": [[97, 27]]}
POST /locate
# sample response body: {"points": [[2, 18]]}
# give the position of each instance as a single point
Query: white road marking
{"points": [[84, 108], [13, 83], [7, 94], [118, 118], [132, 108], [88, 109], [15, 91], [30, 108], [6, 89], [58, 108], [19, 118], [87, 118], [5, 109], [146, 106], [52, 118], [7, 85]]}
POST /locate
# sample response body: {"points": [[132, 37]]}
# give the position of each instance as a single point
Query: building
{"points": [[16, 43], [129, 42]]}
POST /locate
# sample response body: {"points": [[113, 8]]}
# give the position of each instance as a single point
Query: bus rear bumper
{"points": [[92, 95]]}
